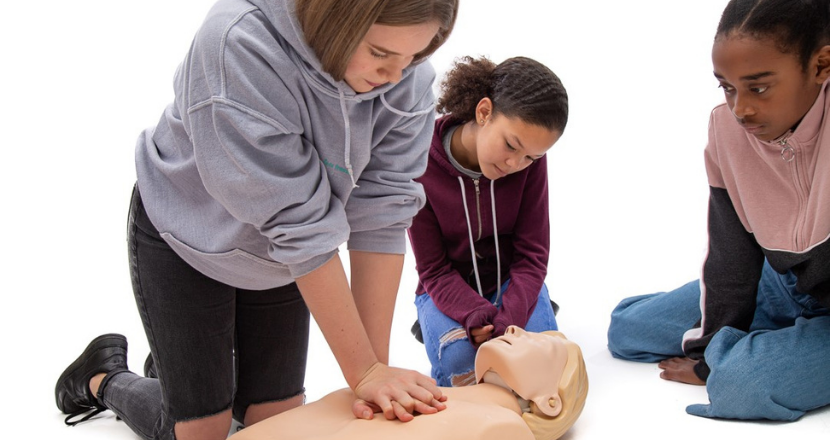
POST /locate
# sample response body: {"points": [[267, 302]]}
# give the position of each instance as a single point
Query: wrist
{"points": [[365, 376], [357, 373]]}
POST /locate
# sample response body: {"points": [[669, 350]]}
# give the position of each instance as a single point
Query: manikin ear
{"points": [[484, 110], [822, 58], [550, 406]]}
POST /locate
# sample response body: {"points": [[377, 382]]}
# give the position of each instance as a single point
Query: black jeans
{"points": [[214, 346]]}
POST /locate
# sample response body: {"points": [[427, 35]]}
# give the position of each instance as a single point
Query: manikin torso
{"points": [[482, 412], [532, 364]]}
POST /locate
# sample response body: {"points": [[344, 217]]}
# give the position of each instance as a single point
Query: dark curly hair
{"points": [[519, 87], [800, 27]]}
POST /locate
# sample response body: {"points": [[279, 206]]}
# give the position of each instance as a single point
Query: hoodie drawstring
{"points": [[472, 244], [348, 146], [496, 237], [401, 112], [347, 125]]}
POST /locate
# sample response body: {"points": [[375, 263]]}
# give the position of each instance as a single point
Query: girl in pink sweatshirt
{"points": [[755, 329]]}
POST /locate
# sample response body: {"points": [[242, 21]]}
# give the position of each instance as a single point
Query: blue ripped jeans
{"points": [[777, 370], [451, 354]]}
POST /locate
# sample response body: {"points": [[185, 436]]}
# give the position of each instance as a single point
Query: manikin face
{"points": [[384, 52], [531, 364], [505, 145], [767, 90]]}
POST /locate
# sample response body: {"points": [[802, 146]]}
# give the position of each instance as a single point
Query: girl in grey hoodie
{"points": [[297, 125]]}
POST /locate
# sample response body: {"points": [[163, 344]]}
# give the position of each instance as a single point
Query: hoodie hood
{"points": [[281, 14], [438, 153]]}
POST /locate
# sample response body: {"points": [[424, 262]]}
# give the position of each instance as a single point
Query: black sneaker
{"points": [[416, 331], [105, 354], [555, 307]]}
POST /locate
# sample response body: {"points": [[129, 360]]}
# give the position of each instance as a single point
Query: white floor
{"points": [[627, 189]]}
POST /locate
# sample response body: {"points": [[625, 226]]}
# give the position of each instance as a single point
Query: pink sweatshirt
{"points": [[767, 200]]}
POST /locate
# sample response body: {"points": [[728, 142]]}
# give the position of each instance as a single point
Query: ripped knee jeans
{"points": [[450, 352]]}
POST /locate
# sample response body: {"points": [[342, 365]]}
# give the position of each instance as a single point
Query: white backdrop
{"points": [[628, 192]]}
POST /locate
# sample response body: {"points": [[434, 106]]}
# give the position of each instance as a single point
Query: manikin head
{"points": [[545, 369]]}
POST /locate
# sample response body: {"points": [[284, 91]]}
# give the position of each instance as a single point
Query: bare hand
{"points": [[481, 334], [680, 369], [397, 393]]}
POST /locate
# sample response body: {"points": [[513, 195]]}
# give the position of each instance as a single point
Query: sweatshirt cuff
{"points": [[702, 370], [500, 324], [383, 241], [308, 266], [479, 318]]}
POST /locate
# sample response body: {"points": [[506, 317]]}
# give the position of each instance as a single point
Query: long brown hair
{"points": [[334, 28]]}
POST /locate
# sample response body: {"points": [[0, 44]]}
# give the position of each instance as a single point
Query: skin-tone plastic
{"points": [[544, 373], [537, 352]]}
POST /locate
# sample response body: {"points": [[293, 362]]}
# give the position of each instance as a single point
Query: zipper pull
{"points": [[787, 152], [478, 191]]}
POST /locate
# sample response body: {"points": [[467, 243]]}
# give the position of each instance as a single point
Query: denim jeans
{"points": [[777, 370], [451, 354], [215, 347]]}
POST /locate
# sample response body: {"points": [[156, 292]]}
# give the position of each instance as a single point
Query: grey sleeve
{"points": [[387, 197], [263, 172]]}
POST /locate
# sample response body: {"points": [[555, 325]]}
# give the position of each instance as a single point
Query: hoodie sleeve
{"points": [[731, 270], [450, 293], [531, 245], [387, 197], [248, 144], [267, 176]]}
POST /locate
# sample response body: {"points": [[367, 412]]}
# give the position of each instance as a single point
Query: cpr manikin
{"points": [[532, 386]]}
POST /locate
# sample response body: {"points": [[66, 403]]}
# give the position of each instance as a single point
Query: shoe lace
{"points": [[93, 411]]}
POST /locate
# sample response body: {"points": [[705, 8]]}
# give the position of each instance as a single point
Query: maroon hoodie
{"points": [[439, 236]]}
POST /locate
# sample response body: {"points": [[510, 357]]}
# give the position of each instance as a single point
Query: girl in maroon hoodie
{"points": [[481, 246]]}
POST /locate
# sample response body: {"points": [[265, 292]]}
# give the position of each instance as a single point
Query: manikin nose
{"points": [[513, 330]]}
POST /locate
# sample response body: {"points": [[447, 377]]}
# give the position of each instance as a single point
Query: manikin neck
{"points": [[493, 378]]}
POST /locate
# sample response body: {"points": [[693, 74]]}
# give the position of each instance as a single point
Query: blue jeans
{"points": [[776, 371], [451, 354]]}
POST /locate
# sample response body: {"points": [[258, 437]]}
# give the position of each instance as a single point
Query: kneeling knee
{"points": [[213, 427], [457, 357], [621, 339]]}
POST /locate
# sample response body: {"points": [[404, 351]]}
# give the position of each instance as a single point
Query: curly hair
{"points": [[518, 87]]}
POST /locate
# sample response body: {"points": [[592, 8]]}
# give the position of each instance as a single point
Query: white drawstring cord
{"points": [[495, 237], [348, 145], [470, 234]]}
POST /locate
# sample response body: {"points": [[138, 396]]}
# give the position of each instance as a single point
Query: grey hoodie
{"points": [[263, 164]]}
